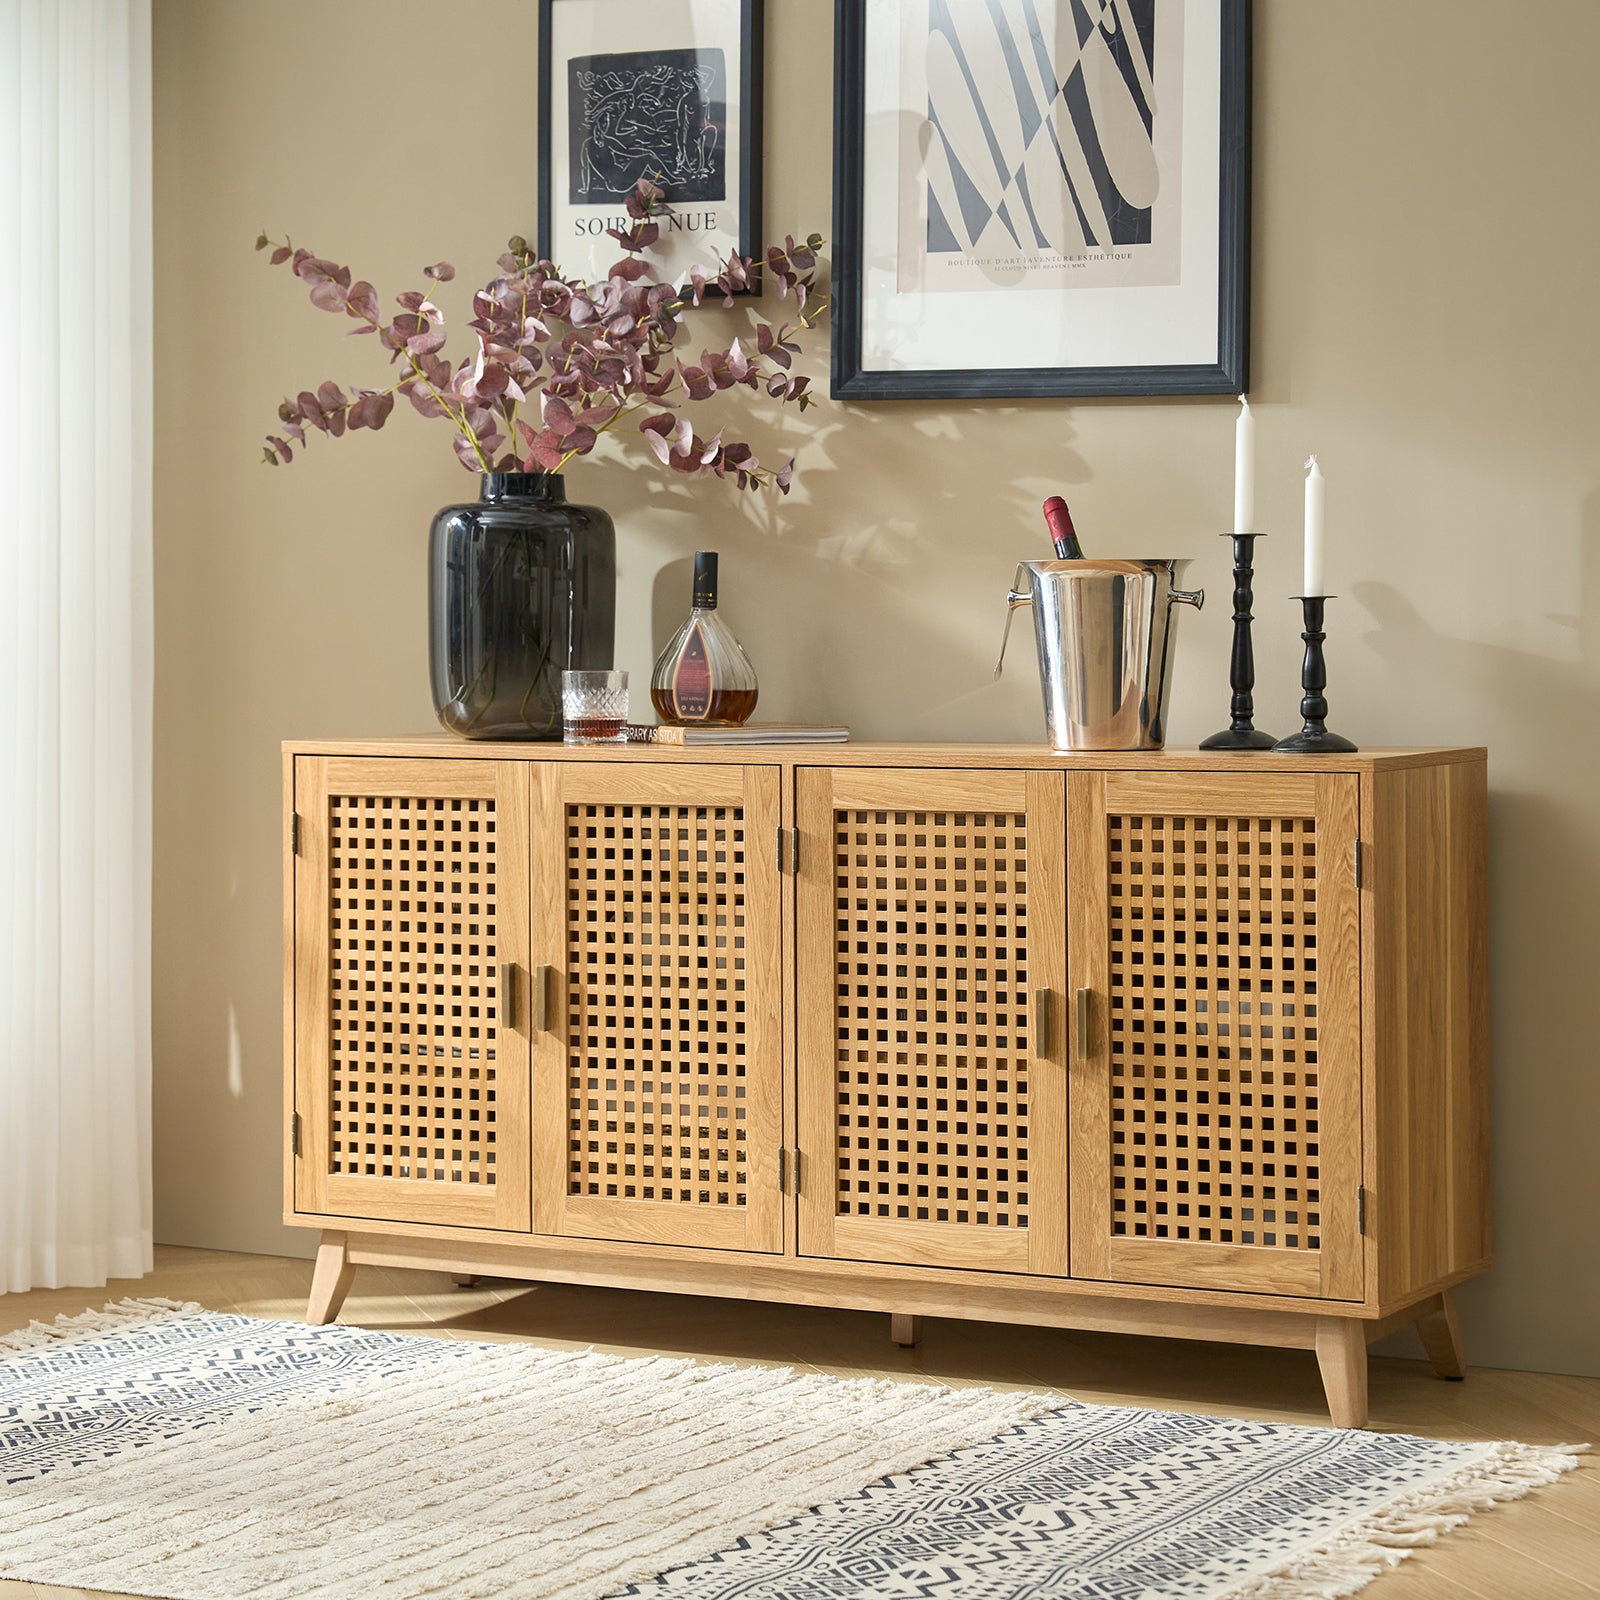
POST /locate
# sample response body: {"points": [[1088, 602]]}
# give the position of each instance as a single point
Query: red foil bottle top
{"points": [[1062, 534]]}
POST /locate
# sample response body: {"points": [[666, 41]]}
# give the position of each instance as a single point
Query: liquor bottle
{"points": [[703, 675], [1062, 535]]}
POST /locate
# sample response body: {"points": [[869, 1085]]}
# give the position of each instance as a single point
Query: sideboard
{"points": [[1177, 1043]]}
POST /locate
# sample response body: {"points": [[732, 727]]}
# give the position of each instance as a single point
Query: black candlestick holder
{"points": [[1314, 739], [1241, 733]]}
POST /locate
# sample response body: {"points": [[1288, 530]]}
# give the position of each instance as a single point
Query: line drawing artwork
{"points": [[657, 114], [1048, 143]]}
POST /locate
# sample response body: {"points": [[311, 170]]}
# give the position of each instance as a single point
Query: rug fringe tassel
{"points": [[115, 1318], [1361, 1550]]}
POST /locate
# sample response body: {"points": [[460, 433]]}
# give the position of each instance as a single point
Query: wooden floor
{"points": [[1545, 1547]]}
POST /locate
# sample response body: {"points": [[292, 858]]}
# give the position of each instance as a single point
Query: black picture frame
{"points": [[1229, 374], [750, 127]]}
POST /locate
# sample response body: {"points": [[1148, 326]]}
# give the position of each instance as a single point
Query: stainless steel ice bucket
{"points": [[1105, 632]]}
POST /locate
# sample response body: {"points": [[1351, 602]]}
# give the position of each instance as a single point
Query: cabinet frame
{"points": [[1420, 927], [1335, 1271], [314, 1188], [758, 1224], [1039, 797]]}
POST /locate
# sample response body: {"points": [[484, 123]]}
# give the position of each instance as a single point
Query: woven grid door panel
{"points": [[412, 980], [933, 1014], [1213, 1023], [1214, 1109], [934, 971], [417, 1052], [657, 1027], [668, 1069]]}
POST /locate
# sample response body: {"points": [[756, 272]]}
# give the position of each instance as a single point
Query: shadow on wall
{"points": [[893, 562], [1544, 887]]}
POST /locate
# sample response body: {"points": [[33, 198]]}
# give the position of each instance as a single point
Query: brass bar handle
{"points": [[1041, 1024], [508, 994], [541, 998], [1082, 1002]]}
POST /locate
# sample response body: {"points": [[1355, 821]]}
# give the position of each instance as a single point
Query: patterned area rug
{"points": [[165, 1450]]}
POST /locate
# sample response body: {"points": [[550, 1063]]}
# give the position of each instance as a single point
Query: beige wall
{"points": [[1425, 318]]}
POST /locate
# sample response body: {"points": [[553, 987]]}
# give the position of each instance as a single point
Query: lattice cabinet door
{"points": [[658, 1045], [931, 969], [411, 930], [1216, 1076]]}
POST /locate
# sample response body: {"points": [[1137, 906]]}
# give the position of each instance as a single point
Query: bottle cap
{"points": [[705, 579]]}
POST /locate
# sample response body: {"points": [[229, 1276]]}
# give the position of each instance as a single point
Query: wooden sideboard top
{"points": [[861, 753]]}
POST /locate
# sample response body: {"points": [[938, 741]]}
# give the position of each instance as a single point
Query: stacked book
{"points": [[744, 733]]}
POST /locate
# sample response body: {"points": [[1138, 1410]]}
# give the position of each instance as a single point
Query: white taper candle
{"points": [[1316, 514], [1244, 471]]}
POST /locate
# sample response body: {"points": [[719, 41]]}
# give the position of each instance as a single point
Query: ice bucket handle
{"points": [[1017, 597]]}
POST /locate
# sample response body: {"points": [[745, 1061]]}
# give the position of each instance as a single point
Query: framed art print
{"points": [[1040, 197], [668, 90]]}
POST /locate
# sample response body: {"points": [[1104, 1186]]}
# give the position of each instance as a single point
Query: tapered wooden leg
{"points": [[1342, 1356], [464, 1280], [1441, 1338], [904, 1330], [330, 1282]]}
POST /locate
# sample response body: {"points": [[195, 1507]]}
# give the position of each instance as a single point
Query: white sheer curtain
{"points": [[75, 648]]}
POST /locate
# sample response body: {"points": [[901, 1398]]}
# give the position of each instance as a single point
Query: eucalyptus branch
{"points": [[591, 354]]}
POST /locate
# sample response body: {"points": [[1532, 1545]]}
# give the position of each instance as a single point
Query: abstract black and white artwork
{"points": [[679, 105], [1040, 196], [657, 114], [1042, 154]]}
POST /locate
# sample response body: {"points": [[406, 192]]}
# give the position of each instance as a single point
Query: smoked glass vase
{"points": [[521, 586]]}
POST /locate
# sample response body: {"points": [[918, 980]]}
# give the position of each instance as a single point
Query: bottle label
{"points": [[691, 678]]}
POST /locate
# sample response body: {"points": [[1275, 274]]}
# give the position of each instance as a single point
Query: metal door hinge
{"points": [[788, 850], [1361, 1211], [294, 833], [1359, 864], [294, 1133]]}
